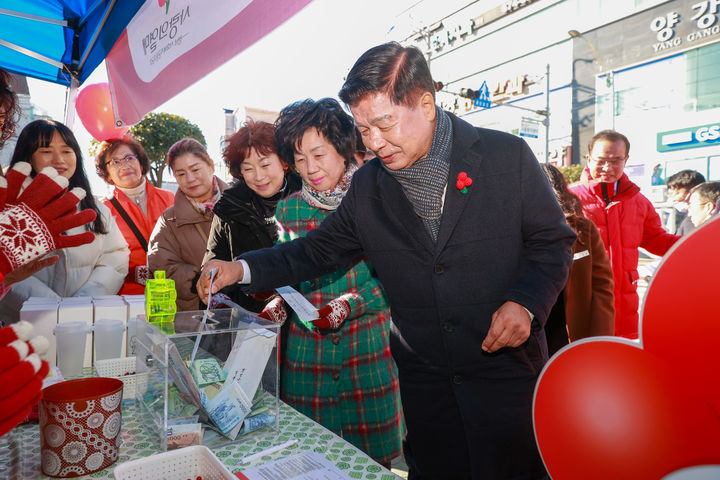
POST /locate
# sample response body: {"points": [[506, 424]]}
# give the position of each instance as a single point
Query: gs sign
{"points": [[707, 134], [689, 137]]}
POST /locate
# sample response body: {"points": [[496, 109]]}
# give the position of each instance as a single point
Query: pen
{"points": [[267, 451], [204, 319]]}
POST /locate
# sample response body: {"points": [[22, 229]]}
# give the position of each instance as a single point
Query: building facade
{"points": [[647, 68]]}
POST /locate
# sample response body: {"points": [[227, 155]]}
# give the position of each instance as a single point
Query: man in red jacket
{"points": [[626, 220]]}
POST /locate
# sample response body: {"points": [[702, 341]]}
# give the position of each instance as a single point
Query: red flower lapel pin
{"points": [[463, 181]]}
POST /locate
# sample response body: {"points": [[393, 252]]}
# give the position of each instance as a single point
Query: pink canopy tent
{"points": [[171, 44]]}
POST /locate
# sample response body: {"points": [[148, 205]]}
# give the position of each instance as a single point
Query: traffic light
{"points": [[469, 93], [438, 86]]}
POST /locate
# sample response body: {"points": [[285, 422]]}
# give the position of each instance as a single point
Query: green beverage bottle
{"points": [[160, 296]]}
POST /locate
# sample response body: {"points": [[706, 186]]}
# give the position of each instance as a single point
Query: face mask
{"points": [[681, 207]]}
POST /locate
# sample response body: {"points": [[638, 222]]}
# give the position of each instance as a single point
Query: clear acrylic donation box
{"points": [[211, 381]]}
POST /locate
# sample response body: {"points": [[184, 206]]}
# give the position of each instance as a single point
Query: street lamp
{"points": [[577, 86], [576, 34]]}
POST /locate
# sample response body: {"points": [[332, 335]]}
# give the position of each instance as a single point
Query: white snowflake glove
{"points": [[34, 215]]}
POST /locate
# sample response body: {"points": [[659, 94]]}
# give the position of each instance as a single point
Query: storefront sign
{"points": [[684, 26], [690, 137], [508, 88], [459, 32]]}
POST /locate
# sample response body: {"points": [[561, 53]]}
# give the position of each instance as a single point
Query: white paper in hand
{"points": [[305, 310]]}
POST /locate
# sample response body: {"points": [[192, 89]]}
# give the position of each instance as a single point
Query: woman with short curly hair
{"points": [[245, 214]]}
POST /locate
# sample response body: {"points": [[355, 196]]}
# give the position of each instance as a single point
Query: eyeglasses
{"points": [[615, 162], [119, 162]]}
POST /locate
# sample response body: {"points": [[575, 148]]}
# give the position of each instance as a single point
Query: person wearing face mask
{"points": [[97, 268], [703, 201], [135, 203], [245, 214], [679, 186], [177, 244]]}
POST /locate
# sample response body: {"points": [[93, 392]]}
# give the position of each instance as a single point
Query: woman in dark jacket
{"points": [[245, 214], [585, 307]]}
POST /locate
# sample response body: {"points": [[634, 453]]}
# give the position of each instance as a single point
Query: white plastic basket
{"points": [[117, 368], [180, 464]]}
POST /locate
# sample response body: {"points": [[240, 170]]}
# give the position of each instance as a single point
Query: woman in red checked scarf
{"points": [[177, 245]]}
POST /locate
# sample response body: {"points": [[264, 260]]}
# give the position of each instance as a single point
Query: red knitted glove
{"points": [[142, 274], [21, 373], [32, 220], [263, 295], [275, 310], [335, 312]]}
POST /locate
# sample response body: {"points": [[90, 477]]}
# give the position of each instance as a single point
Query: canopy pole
{"points": [[70, 102]]}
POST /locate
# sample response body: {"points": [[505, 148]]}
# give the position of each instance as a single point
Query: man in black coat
{"points": [[472, 249]]}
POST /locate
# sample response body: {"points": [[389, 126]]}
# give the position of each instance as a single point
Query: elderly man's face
{"points": [[607, 160], [399, 135]]}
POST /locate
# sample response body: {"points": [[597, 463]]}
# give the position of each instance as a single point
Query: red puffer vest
{"points": [[626, 221]]}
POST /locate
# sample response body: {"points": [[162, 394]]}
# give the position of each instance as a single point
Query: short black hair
{"points": [[685, 179], [399, 72], [709, 192], [327, 116], [610, 136]]}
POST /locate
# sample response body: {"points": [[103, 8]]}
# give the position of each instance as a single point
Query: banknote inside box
{"points": [[211, 382]]}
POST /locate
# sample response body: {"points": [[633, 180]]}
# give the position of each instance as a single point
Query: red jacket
{"points": [[157, 201], [627, 222]]}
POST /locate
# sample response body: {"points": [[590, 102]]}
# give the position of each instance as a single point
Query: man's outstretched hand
{"points": [[226, 274]]}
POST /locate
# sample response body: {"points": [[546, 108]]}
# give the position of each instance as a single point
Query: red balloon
{"points": [[680, 314], [94, 107], [606, 409]]}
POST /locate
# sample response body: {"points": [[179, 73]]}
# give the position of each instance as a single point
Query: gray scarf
{"points": [[424, 181]]}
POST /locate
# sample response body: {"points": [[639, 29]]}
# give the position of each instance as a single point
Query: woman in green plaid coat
{"points": [[338, 369]]}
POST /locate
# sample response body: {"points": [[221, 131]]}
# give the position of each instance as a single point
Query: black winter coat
{"points": [[468, 413], [243, 222]]}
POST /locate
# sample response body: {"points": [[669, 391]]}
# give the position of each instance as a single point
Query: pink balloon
{"points": [[94, 107], [680, 314], [608, 410]]}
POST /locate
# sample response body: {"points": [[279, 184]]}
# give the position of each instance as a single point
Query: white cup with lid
{"points": [[70, 338]]}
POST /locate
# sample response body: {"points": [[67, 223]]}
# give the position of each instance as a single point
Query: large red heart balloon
{"points": [[94, 107], [607, 408], [681, 313]]}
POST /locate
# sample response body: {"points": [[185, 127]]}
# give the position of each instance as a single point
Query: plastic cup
{"points": [[80, 425], [70, 338], [108, 338]]}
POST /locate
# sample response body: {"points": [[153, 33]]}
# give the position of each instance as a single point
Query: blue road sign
{"points": [[483, 100]]}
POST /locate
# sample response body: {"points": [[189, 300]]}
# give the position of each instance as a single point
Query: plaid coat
{"points": [[345, 379]]}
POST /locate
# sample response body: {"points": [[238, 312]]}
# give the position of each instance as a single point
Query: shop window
{"points": [[703, 76], [714, 169], [699, 164]]}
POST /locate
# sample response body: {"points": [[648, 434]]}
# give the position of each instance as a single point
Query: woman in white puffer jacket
{"points": [[97, 268]]}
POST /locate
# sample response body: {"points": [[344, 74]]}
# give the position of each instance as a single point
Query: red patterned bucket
{"points": [[80, 424]]}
